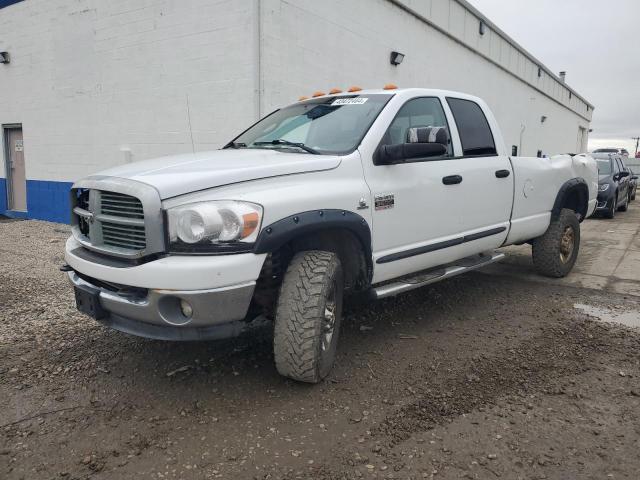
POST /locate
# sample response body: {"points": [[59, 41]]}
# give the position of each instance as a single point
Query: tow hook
{"points": [[66, 268]]}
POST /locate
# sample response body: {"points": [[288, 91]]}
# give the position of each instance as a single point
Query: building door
{"points": [[16, 169]]}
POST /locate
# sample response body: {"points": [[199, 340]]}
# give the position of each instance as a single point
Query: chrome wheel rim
{"points": [[567, 242], [329, 321]]}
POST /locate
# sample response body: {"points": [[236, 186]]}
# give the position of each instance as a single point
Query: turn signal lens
{"points": [[318, 94], [354, 89], [390, 86], [250, 223]]}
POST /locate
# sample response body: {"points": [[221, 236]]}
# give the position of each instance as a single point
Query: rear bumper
{"points": [[217, 313]]}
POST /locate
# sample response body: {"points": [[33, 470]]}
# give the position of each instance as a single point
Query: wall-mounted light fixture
{"points": [[543, 118], [396, 58], [4, 57], [482, 27]]}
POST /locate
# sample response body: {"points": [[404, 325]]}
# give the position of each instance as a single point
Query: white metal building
{"points": [[90, 84]]}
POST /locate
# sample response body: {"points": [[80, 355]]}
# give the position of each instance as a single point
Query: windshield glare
{"points": [[604, 167], [328, 125]]}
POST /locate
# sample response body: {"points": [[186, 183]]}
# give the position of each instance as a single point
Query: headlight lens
{"points": [[604, 187], [215, 223]]}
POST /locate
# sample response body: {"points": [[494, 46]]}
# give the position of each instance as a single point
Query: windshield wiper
{"points": [[235, 145], [280, 141]]}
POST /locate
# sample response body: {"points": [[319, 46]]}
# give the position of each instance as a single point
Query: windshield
{"points": [[327, 125], [604, 167]]}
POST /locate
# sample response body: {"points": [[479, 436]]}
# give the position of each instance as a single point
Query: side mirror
{"points": [[390, 154], [623, 174], [635, 177]]}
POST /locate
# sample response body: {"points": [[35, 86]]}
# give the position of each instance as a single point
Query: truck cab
{"points": [[369, 191]]}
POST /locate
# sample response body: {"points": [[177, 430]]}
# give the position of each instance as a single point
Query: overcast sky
{"points": [[596, 42]]}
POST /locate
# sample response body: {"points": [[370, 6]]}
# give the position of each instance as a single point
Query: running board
{"points": [[432, 276]]}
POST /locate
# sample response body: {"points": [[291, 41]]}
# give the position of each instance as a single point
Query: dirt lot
{"points": [[484, 376]]}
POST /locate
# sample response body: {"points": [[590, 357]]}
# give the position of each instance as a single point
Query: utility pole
{"points": [[637, 139]]}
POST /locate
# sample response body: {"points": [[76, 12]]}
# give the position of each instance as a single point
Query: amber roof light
{"points": [[333, 91], [390, 86], [354, 89], [318, 94], [303, 98]]}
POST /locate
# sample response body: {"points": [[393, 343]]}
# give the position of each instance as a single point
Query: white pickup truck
{"points": [[376, 191]]}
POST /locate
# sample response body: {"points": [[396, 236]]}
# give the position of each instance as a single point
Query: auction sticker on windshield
{"points": [[349, 101]]}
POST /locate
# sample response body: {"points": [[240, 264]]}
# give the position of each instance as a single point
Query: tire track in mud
{"points": [[540, 364]]}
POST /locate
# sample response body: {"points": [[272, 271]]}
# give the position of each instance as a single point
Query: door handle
{"points": [[502, 173], [452, 180]]}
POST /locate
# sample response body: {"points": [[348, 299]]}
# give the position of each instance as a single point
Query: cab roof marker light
{"points": [[354, 89], [303, 98], [334, 91], [390, 86], [318, 94]]}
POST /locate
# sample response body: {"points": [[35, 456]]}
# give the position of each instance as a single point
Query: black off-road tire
{"points": [[312, 286], [551, 258], [611, 212]]}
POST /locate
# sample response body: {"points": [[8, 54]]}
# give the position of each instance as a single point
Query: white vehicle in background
{"points": [[377, 191]]}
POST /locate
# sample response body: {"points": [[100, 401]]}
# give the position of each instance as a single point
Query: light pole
{"points": [[637, 139]]}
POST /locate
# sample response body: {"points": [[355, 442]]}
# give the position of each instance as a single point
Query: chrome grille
{"points": [[120, 205], [118, 217], [121, 221]]}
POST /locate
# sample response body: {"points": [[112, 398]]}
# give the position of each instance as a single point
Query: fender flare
{"points": [[274, 236], [567, 189]]}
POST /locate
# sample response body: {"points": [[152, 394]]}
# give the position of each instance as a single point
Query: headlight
{"points": [[604, 187], [215, 225]]}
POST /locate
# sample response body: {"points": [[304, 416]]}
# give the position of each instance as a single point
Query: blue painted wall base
{"points": [[46, 200]]}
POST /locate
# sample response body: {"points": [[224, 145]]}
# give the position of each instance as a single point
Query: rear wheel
{"points": [[308, 316], [611, 211], [555, 252]]}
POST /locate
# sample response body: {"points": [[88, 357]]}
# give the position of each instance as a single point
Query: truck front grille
{"points": [[120, 222], [120, 205]]}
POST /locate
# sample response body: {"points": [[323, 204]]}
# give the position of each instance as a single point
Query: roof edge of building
{"points": [[465, 4]]}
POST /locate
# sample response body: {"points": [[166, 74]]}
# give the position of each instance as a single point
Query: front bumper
{"points": [[604, 201], [144, 299], [217, 313]]}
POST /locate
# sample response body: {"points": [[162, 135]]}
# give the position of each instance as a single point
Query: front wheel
{"points": [[625, 206], [308, 316], [555, 252]]}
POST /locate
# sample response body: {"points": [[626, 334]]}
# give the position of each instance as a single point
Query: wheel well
{"points": [[574, 195], [345, 244], [357, 268]]}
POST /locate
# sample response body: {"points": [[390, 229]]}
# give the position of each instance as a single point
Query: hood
{"points": [[180, 174], [604, 178]]}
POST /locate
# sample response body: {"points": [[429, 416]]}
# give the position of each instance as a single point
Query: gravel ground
{"points": [[481, 376]]}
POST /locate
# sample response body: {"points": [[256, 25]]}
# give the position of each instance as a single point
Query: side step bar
{"points": [[432, 276]]}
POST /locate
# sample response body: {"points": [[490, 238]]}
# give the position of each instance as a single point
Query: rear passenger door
{"points": [[487, 176]]}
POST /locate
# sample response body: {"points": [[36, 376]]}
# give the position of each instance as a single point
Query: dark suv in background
{"points": [[614, 186]]}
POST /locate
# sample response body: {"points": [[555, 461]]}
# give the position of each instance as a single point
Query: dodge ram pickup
{"points": [[368, 192]]}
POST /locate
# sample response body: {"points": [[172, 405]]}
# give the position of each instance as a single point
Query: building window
{"points": [[539, 72]]}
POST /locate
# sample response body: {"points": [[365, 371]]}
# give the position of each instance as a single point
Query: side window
{"points": [[616, 166], [474, 130], [418, 112]]}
